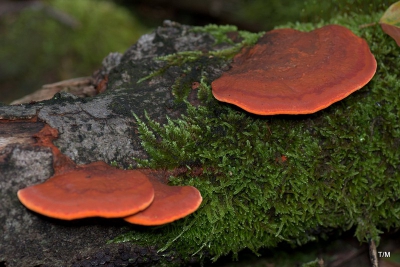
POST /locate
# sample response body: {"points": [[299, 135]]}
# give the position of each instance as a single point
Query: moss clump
{"points": [[342, 168]]}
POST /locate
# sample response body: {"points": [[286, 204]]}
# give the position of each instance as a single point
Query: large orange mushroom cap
{"points": [[170, 203], [90, 190], [293, 72]]}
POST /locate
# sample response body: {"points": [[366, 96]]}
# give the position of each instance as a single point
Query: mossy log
{"points": [[264, 179]]}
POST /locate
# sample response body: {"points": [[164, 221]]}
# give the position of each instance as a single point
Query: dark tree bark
{"points": [[90, 129]]}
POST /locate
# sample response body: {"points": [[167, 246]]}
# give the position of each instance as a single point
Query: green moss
{"points": [[220, 33], [342, 168], [175, 59], [265, 15], [187, 59]]}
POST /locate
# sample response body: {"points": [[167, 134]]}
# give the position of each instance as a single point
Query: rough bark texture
{"points": [[90, 129]]}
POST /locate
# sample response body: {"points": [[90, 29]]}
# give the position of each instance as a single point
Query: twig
{"points": [[362, 26], [373, 257]]}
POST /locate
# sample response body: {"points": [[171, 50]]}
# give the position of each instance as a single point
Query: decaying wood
{"points": [[81, 87], [90, 129]]}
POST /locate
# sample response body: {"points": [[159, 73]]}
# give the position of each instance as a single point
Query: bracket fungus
{"points": [[293, 72], [99, 190], [91, 190], [170, 203]]}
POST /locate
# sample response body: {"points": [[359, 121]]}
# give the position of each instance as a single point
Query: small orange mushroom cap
{"points": [[170, 203], [90, 190], [293, 72]]}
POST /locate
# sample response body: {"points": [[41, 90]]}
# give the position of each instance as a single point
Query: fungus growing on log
{"points": [[170, 203], [93, 190], [293, 72], [99, 190]]}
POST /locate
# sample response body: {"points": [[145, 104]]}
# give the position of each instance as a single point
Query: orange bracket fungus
{"points": [[91, 190], [170, 203], [293, 72], [99, 190], [61, 163]]}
